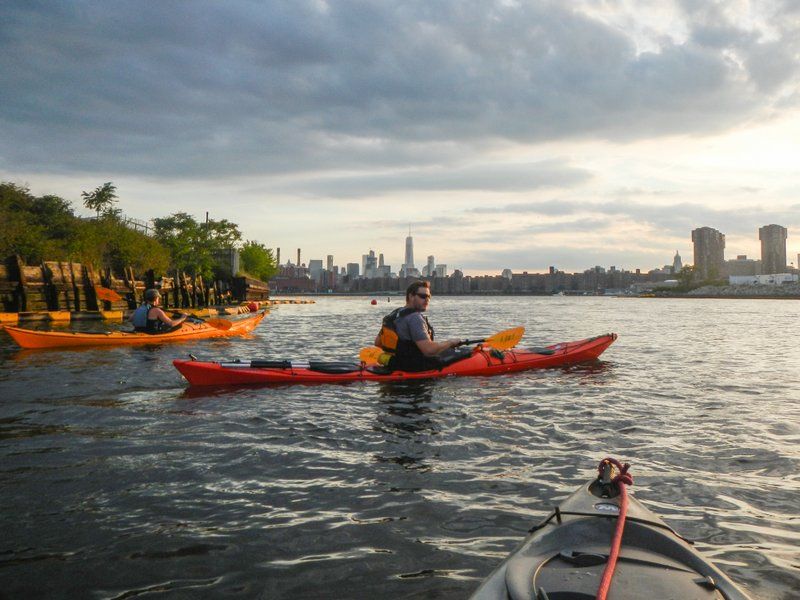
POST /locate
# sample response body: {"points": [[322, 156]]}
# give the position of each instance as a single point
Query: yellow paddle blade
{"points": [[370, 355], [505, 340]]}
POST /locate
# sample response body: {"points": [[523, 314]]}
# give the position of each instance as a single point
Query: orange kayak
{"points": [[482, 361], [29, 338]]}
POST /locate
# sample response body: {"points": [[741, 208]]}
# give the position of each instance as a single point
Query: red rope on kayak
{"points": [[622, 479]]}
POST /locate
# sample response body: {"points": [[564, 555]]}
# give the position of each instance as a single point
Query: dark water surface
{"points": [[118, 483]]}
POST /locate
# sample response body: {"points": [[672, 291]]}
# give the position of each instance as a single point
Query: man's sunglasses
{"points": [[424, 296]]}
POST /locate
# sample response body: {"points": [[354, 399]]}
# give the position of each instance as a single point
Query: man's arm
{"points": [[423, 341]]}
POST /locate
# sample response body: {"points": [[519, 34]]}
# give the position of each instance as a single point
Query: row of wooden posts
{"points": [[54, 285]]}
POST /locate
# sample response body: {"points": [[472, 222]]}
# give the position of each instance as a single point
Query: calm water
{"points": [[118, 483]]}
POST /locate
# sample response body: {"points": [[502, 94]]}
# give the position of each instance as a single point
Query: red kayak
{"points": [[482, 360]]}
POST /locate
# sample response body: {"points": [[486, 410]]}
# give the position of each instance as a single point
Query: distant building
{"points": [[709, 252], [773, 248], [370, 264], [766, 279], [329, 265], [409, 262], [677, 263], [315, 269], [428, 269], [440, 271], [352, 269], [742, 266]]}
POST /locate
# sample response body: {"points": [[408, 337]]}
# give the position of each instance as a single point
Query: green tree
{"points": [[101, 199], [192, 245], [35, 228], [257, 260]]}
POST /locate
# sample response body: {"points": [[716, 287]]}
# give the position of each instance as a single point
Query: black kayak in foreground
{"points": [[565, 556]]}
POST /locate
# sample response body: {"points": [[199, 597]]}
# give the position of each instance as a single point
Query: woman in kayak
{"points": [[407, 333], [149, 318]]}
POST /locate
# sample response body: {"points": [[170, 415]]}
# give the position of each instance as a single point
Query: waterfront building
{"points": [[773, 248], [352, 270], [677, 263], [330, 263], [440, 270], [709, 252], [742, 266], [765, 279]]}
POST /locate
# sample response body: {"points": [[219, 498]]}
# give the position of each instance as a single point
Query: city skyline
{"points": [[772, 239], [551, 134]]}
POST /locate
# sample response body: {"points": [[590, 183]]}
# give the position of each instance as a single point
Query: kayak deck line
{"points": [[482, 361], [567, 555]]}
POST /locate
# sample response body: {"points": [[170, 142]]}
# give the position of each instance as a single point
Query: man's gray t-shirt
{"points": [[412, 327]]}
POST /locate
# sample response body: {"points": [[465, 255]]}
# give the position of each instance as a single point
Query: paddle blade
{"points": [[219, 323], [106, 294], [505, 340], [370, 355]]}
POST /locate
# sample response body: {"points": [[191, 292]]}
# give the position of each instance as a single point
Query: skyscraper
{"points": [[677, 263], [329, 264], [709, 252], [773, 249], [409, 262], [428, 270]]}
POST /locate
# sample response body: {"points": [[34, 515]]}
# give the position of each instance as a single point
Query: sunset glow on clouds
{"points": [[507, 134]]}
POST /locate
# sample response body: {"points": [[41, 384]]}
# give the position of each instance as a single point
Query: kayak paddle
{"points": [[503, 340], [223, 324]]}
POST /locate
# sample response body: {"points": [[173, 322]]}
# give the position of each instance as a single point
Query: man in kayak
{"points": [[149, 318], [407, 334]]}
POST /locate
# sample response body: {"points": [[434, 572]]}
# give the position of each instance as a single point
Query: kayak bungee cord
{"points": [[621, 480]]}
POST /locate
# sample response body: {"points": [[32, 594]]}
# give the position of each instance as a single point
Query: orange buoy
{"points": [[374, 302], [253, 306]]}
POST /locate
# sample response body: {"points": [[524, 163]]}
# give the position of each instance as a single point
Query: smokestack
{"points": [[298, 257], [278, 257]]}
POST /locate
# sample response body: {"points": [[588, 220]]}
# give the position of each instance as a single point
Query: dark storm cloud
{"points": [[497, 177], [207, 89]]}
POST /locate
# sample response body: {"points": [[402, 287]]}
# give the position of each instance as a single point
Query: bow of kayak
{"points": [[566, 554], [482, 361], [30, 338]]}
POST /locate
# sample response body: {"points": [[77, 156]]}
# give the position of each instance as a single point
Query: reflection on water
{"points": [[118, 481], [407, 413]]}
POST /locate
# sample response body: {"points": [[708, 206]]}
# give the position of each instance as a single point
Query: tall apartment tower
{"points": [[409, 263], [773, 249], [709, 252], [329, 263]]}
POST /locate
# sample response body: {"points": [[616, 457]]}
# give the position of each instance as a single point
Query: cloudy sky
{"points": [[506, 134]]}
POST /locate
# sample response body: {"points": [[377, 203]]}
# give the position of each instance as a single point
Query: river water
{"points": [[117, 482]]}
